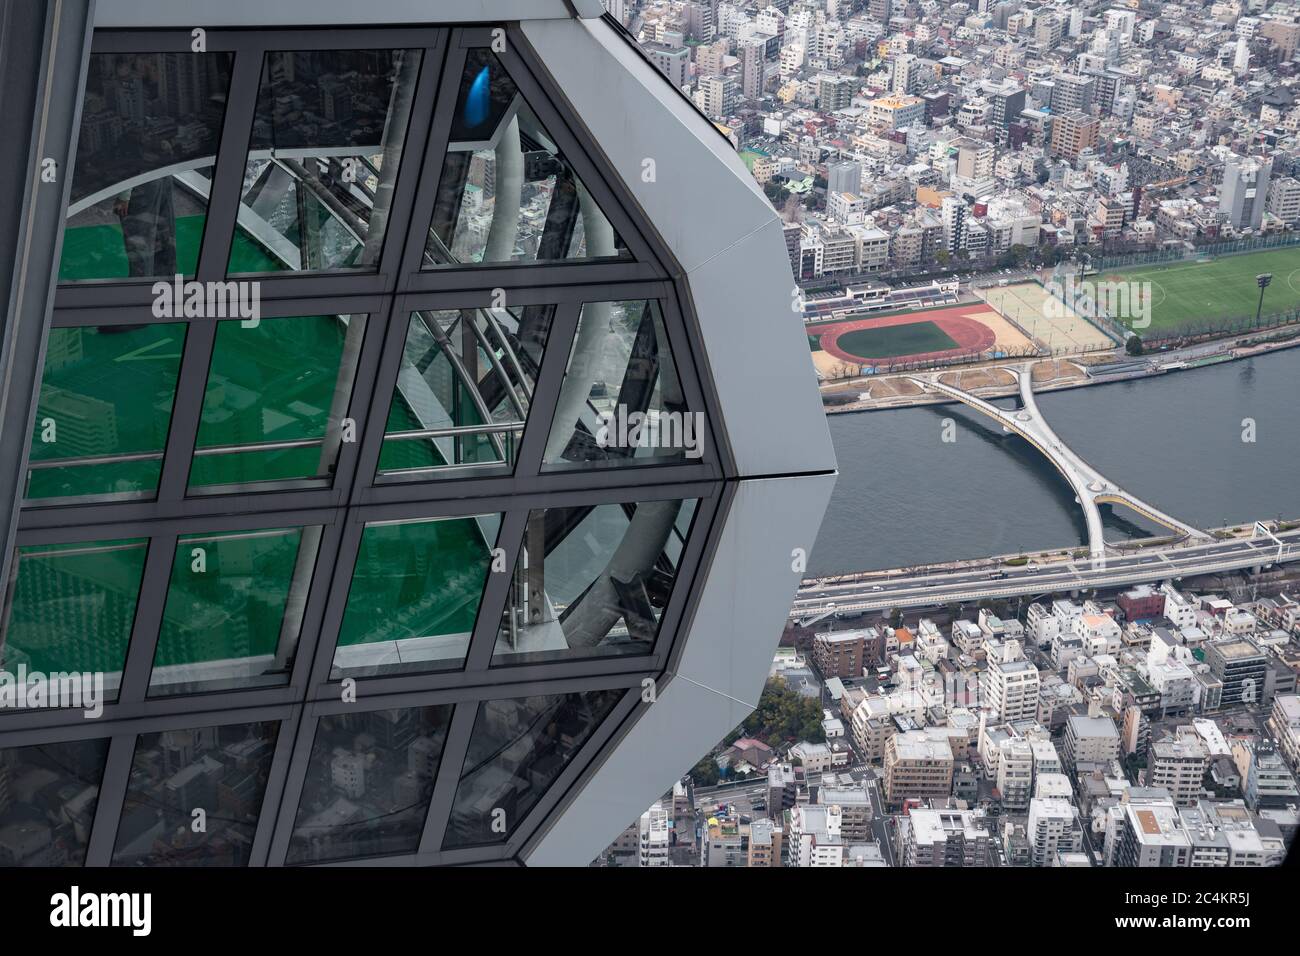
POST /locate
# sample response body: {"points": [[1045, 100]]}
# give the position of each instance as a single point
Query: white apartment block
{"points": [[1284, 723], [816, 836], [654, 842], [1011, 689], [1099, 633], [1015, 773], [1053, 827]]}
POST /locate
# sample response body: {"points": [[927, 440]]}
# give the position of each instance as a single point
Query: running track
{"points": [[971, 335]]}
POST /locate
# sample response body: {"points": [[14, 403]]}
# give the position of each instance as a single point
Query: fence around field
{"points": [[1181, 253]]}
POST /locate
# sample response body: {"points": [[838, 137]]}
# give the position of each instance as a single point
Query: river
{"points": [[905, 497]]}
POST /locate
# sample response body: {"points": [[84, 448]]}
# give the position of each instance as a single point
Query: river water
{"points": [[905, 497]]}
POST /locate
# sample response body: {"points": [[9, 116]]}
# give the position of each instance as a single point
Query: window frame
{"points": [[357, 494]]}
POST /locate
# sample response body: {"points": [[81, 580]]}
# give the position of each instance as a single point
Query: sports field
{"points": [[1195, 294], [1052, 325], [873, 343], [920, 336]]}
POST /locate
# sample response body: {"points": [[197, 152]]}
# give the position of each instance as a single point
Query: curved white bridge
{"points": [[1090, 486]]}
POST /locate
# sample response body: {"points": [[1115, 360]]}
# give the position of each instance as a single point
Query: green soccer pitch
{"points": [[1192, 295], [894, 340]]}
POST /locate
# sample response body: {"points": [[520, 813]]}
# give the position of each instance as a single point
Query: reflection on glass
{"points": [[145, 152], [621, 402], [415, 595], [506, 193], [104, 409], [593, 580], [323, 160], [234, 610], [72, 609], [216, 774], [464, 388], [369, 783], [48, 794], [276, 397], [518, 749]]}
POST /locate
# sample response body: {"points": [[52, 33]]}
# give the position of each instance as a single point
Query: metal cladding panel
{"points": [[324, 13], [721, 229], [728, 653], [759, 359]]}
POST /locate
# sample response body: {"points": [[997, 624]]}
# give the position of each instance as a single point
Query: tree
{"points": [[895, 617], [1133, 346], [705, 773], [775, 193], [784, 716]]}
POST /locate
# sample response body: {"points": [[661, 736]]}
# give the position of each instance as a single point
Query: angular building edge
{"points": [[728, 652]]}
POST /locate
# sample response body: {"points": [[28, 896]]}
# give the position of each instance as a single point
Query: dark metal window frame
{"points": [[386, 296]]}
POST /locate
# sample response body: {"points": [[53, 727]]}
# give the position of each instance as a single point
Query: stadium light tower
{"points": [[1262, 280]]}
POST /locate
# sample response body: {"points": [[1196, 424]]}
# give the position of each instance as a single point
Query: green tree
{"points": [[784, 716], [895, 617], [1133, 346], [705, 773]]}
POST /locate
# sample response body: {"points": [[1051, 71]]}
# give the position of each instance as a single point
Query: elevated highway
{"points": [[884, 592]]}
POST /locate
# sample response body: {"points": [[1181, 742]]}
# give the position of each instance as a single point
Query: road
{"points": [[961, 585]]}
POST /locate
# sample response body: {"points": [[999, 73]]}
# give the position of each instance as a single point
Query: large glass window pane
{"points": [[71, 611], [323, 160], [104, 409], [277, 394], [48, 794], [593, 580], [506, 193], [621, 402], [518, 749], [464, 388], [369, 783], [195, 795], [145, 154], [234, 610], [415, 595]]}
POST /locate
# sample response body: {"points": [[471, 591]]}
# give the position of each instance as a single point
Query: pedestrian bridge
{"points": [[1091, 487]]}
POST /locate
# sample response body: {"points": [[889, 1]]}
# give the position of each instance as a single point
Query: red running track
{"points": [[971, 335]]}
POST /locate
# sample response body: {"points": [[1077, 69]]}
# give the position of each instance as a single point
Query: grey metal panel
{"points": [[758, 354], [236, 13], [770, 405], [719, 676]]}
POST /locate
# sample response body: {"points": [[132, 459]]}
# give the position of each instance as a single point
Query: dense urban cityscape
{"points": [[1024, 190]]}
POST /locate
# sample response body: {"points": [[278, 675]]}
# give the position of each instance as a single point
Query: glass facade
{"points": [[51, 791], [326, 147], [464, 390], [105, 408], [195, 796], [415, 595], [275, 400], [317, 488], [506, 193], [369, 782], [146, 152]]}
